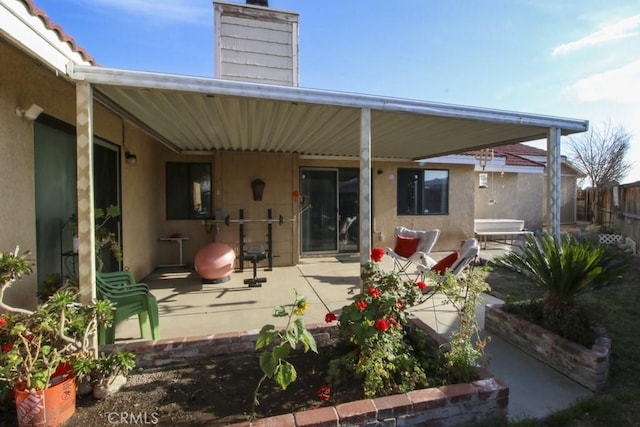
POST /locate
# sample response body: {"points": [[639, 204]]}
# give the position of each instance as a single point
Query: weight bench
{"points": [[255, 254]]}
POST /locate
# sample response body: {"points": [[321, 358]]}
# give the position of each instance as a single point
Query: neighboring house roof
{"points": [[520, 155], [506, 158]]}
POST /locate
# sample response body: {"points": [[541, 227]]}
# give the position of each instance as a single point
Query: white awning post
{"points": [[553, 181], [365, 188], [84, 188]]}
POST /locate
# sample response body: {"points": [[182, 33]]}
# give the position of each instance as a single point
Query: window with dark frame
{"points": [[423, 192], [188, 190]]}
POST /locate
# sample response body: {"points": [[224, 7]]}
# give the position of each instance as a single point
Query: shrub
{"points": [[383, 352], [565, 267]]}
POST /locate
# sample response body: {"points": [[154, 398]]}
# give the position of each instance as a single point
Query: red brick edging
{"points": [[483, 400], [586, 366]]}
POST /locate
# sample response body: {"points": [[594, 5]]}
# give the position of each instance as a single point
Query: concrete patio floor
{"points": [[189, 308]]}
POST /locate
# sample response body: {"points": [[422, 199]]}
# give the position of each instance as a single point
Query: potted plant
{"points": [[105, 238], [40, 347], [558, 329], [110, 372]]}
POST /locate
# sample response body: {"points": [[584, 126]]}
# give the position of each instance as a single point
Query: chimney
{"points": [[256, 43]]}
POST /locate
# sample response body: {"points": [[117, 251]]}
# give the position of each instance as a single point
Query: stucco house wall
{"points": [[454, 227], [232, 175], [511, 196], [24, 82]]}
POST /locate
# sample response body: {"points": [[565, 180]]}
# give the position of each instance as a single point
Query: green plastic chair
{"points": [[130, 298]]}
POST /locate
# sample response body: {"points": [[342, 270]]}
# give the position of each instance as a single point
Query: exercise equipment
{"points": [[252, 253], [242, 236], [228, 221], [214, 262]]}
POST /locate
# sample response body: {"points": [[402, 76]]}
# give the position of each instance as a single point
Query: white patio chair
{"points": [[454, 263], [412, 247]]}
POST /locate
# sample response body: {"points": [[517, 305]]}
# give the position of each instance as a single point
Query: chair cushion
{"points": [[446, 262], [406, 246]]}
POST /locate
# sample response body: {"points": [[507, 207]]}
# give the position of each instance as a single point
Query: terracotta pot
{"points": [[50, 407]]}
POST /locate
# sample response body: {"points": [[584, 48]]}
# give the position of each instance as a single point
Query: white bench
{"points": [[498, 227]]}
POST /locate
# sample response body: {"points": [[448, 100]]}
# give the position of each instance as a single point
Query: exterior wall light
{"points": [[130, 158], [30, 113]]}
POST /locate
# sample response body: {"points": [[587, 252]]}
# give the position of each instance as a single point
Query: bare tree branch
{"points": [[600, 153]]}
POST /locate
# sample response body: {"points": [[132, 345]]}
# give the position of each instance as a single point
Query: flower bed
{"points": [[586, 366], [484, 400]]}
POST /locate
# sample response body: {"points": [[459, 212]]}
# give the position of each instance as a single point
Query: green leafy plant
{"points": [[105, 367], [34, 344], [277, 344], [110, 365], [105, 239], [565, 268], [385, 353], [373, 327], [464, 293], [54, 282]]}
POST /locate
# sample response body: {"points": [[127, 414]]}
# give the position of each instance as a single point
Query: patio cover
{"points": [[194, 115], [202, 115]]}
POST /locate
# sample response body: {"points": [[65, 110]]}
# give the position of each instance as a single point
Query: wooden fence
{"points": [[617, 208]]}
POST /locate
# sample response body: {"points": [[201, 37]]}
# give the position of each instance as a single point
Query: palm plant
{"points": [[564, 267]]}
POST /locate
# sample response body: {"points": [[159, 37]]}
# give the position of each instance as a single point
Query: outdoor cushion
{"points": [[446, 262], [406, 246]]}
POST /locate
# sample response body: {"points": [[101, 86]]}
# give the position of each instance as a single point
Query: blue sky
{"points": [[578, 59]]}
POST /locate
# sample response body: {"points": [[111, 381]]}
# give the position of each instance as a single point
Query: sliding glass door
{"points": [[329, 210], [55, 188]]}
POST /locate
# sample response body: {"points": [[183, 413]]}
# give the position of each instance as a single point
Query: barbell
{"points": [[227, 220]]}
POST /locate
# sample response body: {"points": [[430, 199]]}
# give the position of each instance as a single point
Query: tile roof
{"points": [[515, 154], [64, 37]]}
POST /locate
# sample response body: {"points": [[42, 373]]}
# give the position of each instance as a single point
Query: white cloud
{"points": [[185, 11], [618, 30], [620, 85]]}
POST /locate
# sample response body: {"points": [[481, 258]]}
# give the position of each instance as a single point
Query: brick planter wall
{"points": [[481, 402], [586, 366]]}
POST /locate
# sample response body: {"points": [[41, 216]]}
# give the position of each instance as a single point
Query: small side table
{"points": [[179, 241]]}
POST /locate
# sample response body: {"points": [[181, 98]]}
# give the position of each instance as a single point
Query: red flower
{"points": [[330, 317], [421, 285], [377, 254], [7, 347], [382, 324], [324, 392], [361, 304], [2, 321], [374, 292], [399, 304]]}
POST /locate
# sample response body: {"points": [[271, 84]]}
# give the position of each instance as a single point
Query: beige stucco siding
{"points": [[23, 82], [233, 173], [454, 227], [17, 203], [511, 196]]}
